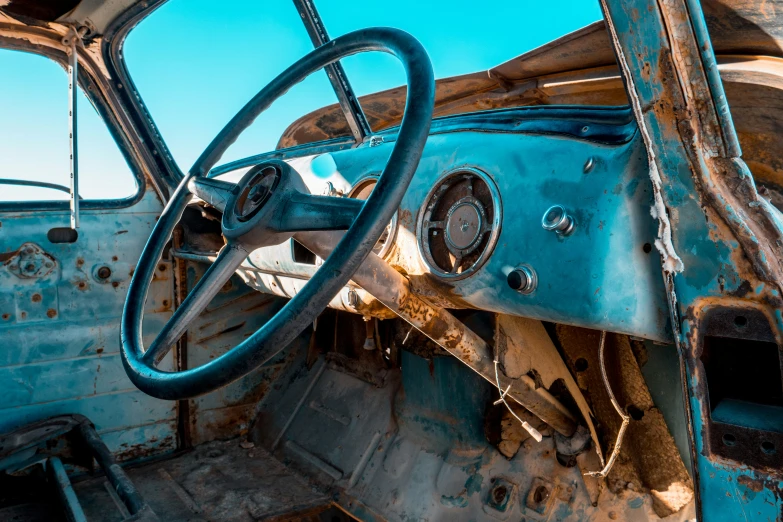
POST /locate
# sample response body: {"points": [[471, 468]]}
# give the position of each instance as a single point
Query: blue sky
{"points": [[196, 62]]}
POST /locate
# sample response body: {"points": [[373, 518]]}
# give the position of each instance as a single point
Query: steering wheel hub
{"points": [[256, 192]]}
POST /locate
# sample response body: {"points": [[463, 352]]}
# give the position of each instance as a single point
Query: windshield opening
{"points": [[195, 64]]}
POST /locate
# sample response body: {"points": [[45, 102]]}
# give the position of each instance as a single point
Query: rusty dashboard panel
{"points": [[599, 181]]}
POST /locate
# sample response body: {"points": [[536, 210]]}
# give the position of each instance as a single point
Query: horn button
{"points": [[256, 192]]}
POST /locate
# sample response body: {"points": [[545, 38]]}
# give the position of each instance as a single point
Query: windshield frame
{"points": [[169, 173]]}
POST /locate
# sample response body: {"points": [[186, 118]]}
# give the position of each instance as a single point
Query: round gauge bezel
{"points": [[430, 202]]}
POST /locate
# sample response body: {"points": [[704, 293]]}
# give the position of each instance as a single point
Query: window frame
{"points": [[93, 93]]}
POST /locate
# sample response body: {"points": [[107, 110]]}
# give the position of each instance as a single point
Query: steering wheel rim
{"points": [[337, 269]]}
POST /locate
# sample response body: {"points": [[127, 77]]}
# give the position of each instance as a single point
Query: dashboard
{"points": [[558, 195]]}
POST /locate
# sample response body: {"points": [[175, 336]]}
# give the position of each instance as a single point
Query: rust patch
{"points": [[151, 448], [438, 292], [436, 327], [6, 256], [406, 219], [752, 484], [51, 313]]}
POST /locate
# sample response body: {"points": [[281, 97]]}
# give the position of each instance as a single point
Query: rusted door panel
{"points": [[59, 324]]}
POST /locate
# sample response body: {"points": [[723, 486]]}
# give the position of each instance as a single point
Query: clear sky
{"points": [[196, 62]]}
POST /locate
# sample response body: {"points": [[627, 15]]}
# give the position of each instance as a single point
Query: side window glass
{"points": [[34, 144]]}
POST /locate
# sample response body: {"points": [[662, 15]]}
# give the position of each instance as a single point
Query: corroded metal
{"points": [[718, 235], [60, 324]]}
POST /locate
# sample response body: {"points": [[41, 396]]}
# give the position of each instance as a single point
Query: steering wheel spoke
{"points": [[228, 260], [306, 212], [214, 192]]}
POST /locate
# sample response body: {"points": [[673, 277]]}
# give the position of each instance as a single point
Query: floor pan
{"points": [[216, 481]]}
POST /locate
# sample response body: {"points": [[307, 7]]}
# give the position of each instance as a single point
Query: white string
{"points": [[530, 429], [626, 419]]}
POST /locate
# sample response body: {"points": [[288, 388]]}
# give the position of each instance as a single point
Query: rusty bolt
{"points": [[612, 515], [104, 272], [51, 313], [6, 316], [162, 267], [115, 284], [353, 299], [541, 494], [114, 258], [37, 298], [23, 315], [30, 267], [82, 285], [499, 494]]}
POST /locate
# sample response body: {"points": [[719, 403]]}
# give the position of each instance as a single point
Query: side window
{"points": [[34, 136]]}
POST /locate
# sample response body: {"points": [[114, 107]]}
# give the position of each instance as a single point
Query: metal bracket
{"points": [[72, 40]]}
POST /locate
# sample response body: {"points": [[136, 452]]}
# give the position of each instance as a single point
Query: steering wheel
{"points": [[267, 207]]}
